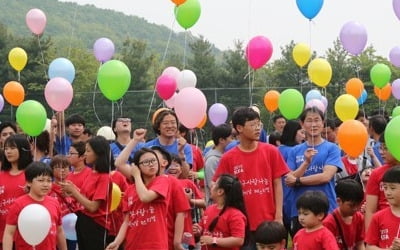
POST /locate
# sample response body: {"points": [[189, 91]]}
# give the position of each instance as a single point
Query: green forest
{"points": [[147, 49]]}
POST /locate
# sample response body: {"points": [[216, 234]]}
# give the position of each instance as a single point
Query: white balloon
{"points": [[170, 103], [171, 71], [107, 132], [34, 223], [186, 78]]}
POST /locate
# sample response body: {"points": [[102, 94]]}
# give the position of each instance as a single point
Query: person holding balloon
{"points": [[47, 233]]}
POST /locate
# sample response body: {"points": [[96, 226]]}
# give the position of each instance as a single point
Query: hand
{"points": [[206, 240], [192, 175], [196, 228], [395, 244], [135, 171], [181, 143], [370, 152], [139, 134], [113, 245], [188, 193], [290, 180], [67, 187], [309, 154]]}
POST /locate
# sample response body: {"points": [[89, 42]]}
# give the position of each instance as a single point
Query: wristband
{"points": [[298, 182]]}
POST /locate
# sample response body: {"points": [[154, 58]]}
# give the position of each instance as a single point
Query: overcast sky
{"points": [[223, 21]]}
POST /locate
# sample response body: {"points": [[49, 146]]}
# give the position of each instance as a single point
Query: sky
{"points": [[224, 21]]}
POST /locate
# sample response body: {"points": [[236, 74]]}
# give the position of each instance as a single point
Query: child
{"points": [[383, 231], [346, 222], [270, 235], [312, 208], [224, 224], [38, 180]]}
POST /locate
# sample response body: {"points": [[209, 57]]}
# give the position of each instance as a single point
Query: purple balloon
{"points": [[394, 56], [316, 103], [103, 49], [396, 89], [1, 103], [396, 8], [353, 37], [218, 114]]}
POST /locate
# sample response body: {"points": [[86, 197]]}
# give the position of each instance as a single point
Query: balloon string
{"points": [[72, 31], [168, 42], [93, 99], [149, 111], [184, 50], [19, 76], [42, 56], [309, 33]]}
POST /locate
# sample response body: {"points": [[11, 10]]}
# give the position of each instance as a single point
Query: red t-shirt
{"points": [[383, 228], [375, 186], [52, 206], [147, 226], [117, 216], [256, 171], [351, 168], [318, 239], [79, 178], [352, 233], [231, 223], [67, 203], [11, 187]]}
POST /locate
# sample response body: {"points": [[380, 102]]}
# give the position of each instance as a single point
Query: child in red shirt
{"points": [[271, 235]]}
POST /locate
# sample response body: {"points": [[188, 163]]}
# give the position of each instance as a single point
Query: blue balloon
{"points": [[309, 8], [313, 94], [62, 67], [362, 98], [68, 224]]}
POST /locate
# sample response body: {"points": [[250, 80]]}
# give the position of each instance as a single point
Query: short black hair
{"points": [[101, 148], [349, 190], [313, 200], [243, 114], [75, 118], [221, 131], [159, 118], [289, 133], [392, 175], [37, 168], [80, 146], [377, 123], [330, 123], [25, 154], [311, 110], [59, 160], [4, 125], [270, 232], [166, 155], [274, 137], [276, 117]]}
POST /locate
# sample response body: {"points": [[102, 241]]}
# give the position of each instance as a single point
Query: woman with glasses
{"points": [[145, 206]]}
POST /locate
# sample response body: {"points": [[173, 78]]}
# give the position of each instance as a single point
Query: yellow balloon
{"points": [[115, 197], [346, 107], [18, 58], [320, 72], [301, 54]]}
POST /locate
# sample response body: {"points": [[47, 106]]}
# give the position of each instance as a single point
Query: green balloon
{"points": [[114, 78], [396, 111], [380, 75], [188, 13], [31, 117], [392, 137], [291, 103]]}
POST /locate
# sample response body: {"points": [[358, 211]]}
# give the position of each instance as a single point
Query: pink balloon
{"points": [[171, 71], [316, 103], [353, 37], [324, 101], [36, 21], [394, 56], [190, 106], [258, 51], [170, 103], [396, 89], [218, 114], [58, 93], [165, 86], [396, 8]]}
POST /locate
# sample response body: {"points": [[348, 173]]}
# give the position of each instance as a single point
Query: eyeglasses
{"points": [[148, 162], [255, 125], [124, 120], [383, 148], [72, 153]]}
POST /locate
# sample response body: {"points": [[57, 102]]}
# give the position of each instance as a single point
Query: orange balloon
{"points": [[352, 137], [384, 93], [178, 2], [14, 93], [156, 113], [271, 100], [354, 87], [203, 122]]}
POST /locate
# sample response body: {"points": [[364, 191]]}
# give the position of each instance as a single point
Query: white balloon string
{"points": [[93, 99], [19, 76], [184, 50], [72, 31]]}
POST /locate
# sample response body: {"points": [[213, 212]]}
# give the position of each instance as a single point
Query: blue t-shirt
{"points": [[172, 149], [231, 145], [63, 144], [376, 147], [116, 150], [328, 154]]}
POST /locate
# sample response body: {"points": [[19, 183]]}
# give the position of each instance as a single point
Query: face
{"points": [[300, 136], [364, 121], [11, 153], [365, 175], [168, 126], [386, 155], [251, 129], [392, 193], [90, 155], [348, 208], [175, 169], [280, 124], [274, 246], [148, 165], [73, 156], [5, 133], [308, 219], [40, 186], [60, 172], [123, 125], [215, 191], [313, 124], [329, 134], [76, 129]]}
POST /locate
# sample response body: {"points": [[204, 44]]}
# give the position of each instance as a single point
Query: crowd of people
{"points": [[291, 189]]}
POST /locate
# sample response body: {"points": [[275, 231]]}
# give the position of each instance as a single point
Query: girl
{"points": [[224, 223], [145, 206]]}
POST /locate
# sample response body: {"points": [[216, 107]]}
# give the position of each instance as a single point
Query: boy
{"points": [[346, 222], [383, 230], [312, 208], [38, 178], [270, 235]]}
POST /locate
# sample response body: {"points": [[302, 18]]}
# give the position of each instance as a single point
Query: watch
{"points": [[214, 242], [298, 182]]}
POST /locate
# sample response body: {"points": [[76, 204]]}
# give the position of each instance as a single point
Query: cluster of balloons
{"points": [[314, 98], [258, 51], [187, 12]]}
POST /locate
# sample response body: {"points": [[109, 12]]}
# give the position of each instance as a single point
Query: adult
{"points": [[6, 129], [67, 132], [279, 122], [376, 127], [330, 131]]}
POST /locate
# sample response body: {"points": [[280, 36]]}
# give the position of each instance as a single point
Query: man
{"points": [[329, 131], [376, 127], [279, 123], [74, 126]]}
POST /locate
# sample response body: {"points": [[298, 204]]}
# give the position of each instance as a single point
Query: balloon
{"points": [[203, 122], [313, 94], [186, 78], [316, 103], [352, 137], [36, 21], [354, 87], [394, 56], [301, 54], [190, 106], [187, 14], [34, 223], [396, 89], [178, 2], [116, 196], [156, 113], [103, 49], [1, 103], [309, 8], [353, 37], [380, 75], [165, 86], [14, 93], [218, 114], [171, 71], [392, 137], [396, 111], [396, 8], [170, 103], [68, 224], [28, 112], [384, 93], [62, 67], [320, 72], [363, 97], [58, 93], [107, 132], [114, 78], [271, 99], [291, 103], [324, 101], [18, 58], [346, 107], [258, 51]]}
